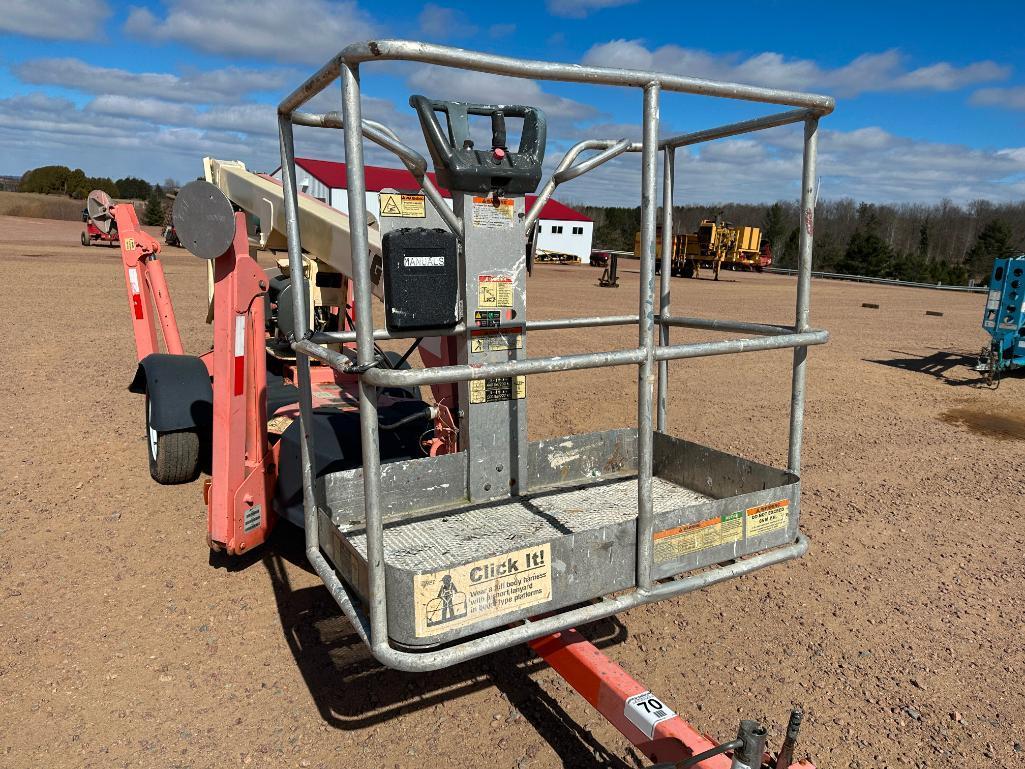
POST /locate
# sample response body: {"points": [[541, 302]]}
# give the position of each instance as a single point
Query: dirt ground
{"points": [[125, 643]]}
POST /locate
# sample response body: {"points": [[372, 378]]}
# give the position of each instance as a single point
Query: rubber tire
{"points": [[688, 269], [173, 456], [85, 239]]}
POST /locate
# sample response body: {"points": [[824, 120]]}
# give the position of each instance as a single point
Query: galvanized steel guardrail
{"points": [[649, 353], [882, 281]]}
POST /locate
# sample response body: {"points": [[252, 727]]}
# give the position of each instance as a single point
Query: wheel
{"points": [[688, 269], [173, 455], [85, 239]]}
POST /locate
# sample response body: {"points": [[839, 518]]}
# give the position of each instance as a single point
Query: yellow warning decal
{"points": [[494, 390], [457, 597], [396, 204], [496, 343], [494, 291], [766, 518], [490, 216], [692, 537], [130, 244]]}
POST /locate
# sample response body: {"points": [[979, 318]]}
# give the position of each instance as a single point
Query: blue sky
{"points": [[930, 96]]}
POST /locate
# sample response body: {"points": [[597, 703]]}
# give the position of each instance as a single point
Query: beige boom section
{"points": [[325, 230]]}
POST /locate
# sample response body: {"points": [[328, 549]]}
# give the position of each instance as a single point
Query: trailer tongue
{"points": [[440, 529]]}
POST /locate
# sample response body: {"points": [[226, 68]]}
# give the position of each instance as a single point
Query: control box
{"points": [[421, 279]]}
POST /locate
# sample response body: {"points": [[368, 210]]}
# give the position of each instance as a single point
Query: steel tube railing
{"points": [[411, 159], [422, 662], [804, 250], [736, 326], [581, 168], [428, 53], [668, 160], [555, 324], [747, 344], [646, 339], [369, 434], [301, 326], [567, 161], [743, 127], [464, 373], [383, 377], [373, 627]]}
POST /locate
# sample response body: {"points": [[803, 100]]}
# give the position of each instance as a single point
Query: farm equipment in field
{"points": [[442, 532], [1004, 320], [715, 244], [100, 225]]}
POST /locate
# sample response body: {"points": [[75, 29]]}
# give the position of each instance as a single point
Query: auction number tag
{"points": [[646, 711]]}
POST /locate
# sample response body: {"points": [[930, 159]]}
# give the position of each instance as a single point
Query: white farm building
{"points": [[561, 230]]}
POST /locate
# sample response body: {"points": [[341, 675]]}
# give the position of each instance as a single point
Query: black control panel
{"points": [[462, 167], [421, 279]]}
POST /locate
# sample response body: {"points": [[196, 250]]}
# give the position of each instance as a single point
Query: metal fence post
{"points": [[811, 127], [668, 180], [646, 338]]}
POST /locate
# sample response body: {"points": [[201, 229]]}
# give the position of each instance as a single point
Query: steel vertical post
{"points": [[668, 173], [362, 290], [302, 328], [646, 337], [808, 196]]}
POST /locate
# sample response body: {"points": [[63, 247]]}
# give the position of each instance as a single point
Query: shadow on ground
{"points": [[353, 691], [949, 366]]}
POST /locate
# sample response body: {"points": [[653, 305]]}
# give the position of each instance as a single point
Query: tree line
{"points": [[61, 180], [942, 243]]}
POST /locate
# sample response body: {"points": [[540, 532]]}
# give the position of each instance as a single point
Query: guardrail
{"points": [[884, 281]]}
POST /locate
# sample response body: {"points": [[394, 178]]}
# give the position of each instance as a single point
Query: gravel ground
{"points": [[125, 643]]}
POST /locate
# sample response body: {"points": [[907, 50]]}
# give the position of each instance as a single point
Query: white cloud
{"points": [[444, 23], [578, 9], [869, 72], [464, 85], [865, 164], [55, 19], [1008, 98], [229, 84], [306, 31]]}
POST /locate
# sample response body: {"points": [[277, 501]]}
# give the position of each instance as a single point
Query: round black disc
{"points": [[203, 219]]}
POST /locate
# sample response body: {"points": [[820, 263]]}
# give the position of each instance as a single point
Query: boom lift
{"points": [[1004, 320], [443, 533]]}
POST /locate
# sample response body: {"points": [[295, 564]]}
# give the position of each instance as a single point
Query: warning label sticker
{"points": [[487, 318], [455, 598], [496, 343], [766, 518], [495, 390], [396, 204], [646, 711], [494, 291], [681, 540], [486, 214]]}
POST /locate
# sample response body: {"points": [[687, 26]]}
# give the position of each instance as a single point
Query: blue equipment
{"points": [[1004, 319]]}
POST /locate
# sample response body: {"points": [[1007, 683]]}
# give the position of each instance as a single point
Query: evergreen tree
{"points": [[923, 240], [774, 227], [133, 187], [790, 249], [154, 213], [994, 242], [866, 254]]}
